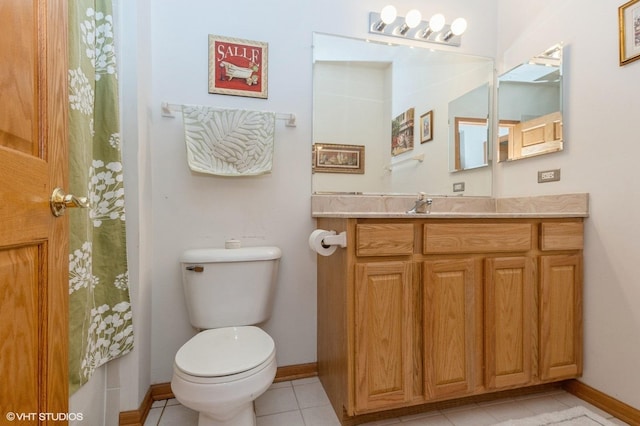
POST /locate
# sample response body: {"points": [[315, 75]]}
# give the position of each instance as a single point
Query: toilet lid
{"points": [[224, 351]]}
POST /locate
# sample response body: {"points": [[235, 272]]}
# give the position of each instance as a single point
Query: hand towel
{"points": [[228, 142]]}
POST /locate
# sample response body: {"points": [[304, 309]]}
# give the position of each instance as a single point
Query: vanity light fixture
{"points": [[388, 14], [458, 26], [414, 17], [412, 27]]}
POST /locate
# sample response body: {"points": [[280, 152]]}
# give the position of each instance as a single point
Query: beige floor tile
{"points": [[178, 415], [310, 395], [320, 416], [278, 400], [289, 418]]}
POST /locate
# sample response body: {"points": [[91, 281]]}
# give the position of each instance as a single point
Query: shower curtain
{"points": [[100, 322]]}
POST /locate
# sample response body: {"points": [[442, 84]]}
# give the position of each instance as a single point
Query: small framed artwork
{"points": [[336, 158], [426, 127], [629, 22], [402, 132], [237, 67]]}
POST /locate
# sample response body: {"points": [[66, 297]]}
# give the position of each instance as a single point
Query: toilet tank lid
{"points": [[244, 254]]}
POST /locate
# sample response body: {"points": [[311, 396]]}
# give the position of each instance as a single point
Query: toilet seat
{"points": [[224, 354]]}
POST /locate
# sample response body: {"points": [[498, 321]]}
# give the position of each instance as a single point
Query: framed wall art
{"points": [[629, 28], [237, 67], [426, 127], [336, 158], [402, 132]]}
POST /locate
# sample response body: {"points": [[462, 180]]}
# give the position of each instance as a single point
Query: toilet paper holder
{"points": [[335, 240]]}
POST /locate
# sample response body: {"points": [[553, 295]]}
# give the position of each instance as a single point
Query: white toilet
{"points": [[226, 366]]}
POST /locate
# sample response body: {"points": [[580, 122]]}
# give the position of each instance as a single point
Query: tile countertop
{"points": [[395, 206]]}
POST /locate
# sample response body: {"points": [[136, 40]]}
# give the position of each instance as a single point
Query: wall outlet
{"points": [[458, 187], [548, 176]]}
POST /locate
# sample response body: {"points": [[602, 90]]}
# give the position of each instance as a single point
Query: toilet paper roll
{"points": [[316, 244]]}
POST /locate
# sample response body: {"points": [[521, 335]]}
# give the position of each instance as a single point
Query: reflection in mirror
{"points": [[359, 87], [470, 142], [469, 129], [530, 107]]}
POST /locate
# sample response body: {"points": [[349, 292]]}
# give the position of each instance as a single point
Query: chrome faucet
{"points": [[422, 205]]}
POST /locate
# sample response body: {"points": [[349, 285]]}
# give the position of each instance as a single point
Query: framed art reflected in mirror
{"points": [[426, 127], [337, 158]]}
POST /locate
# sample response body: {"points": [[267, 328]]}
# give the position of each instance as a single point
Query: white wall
{"points": [[351, 106], [191, 210], [183, 210], [601, 111]]}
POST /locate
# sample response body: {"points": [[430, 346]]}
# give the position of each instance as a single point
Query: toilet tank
{"points": [[229, 287]]}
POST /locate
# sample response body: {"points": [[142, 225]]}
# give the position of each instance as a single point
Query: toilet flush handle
{"points": [[195, 268]]}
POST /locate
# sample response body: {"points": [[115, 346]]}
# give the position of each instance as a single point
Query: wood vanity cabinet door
{"points": [[560, 316], [383, 335], [509, 311], [451, 287]]}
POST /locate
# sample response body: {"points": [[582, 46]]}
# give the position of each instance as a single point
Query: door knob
{"points": [[60, 201]]}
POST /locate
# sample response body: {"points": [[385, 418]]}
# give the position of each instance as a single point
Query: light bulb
{"points": [[436, 23], [388, 14], [458, 26], [414, 17]]}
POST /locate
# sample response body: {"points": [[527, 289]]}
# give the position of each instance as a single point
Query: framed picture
{"points": [[426, 127], [402, 132], [237, 67], [629, 22], [336, 158]]}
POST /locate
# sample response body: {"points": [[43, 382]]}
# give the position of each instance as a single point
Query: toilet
{"points": [[221, 370]]}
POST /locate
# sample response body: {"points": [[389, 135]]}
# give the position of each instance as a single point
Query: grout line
{"points": [[164, 407]]}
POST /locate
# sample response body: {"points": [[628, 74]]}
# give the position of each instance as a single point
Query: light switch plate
{"points": [[548, 176]]}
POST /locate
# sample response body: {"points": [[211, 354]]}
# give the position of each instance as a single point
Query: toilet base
{"points": [[246, 416]]}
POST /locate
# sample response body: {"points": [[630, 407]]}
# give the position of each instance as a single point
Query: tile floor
{"points": [[304, 403]]}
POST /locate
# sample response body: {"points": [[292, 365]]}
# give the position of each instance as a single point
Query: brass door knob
{"points": [[60, 201]]}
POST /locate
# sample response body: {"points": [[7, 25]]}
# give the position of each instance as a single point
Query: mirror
{"points": [[530, 107], [469, 132], [382, 118]]}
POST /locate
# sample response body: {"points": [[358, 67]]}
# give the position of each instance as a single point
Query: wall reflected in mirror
{"points": [[530, 107], [469, 129], [360, 86]]}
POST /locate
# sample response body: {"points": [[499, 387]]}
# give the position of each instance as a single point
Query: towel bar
{"points": [[167, 110]]}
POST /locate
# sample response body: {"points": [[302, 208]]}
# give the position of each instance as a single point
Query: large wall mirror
{"points": [[530, 107], [398, 119]]}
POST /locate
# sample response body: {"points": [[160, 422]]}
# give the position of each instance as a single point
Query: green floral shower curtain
{"points": [[101, 326]]}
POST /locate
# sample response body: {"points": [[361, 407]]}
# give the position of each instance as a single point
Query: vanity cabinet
{"points": [[417, 310]]}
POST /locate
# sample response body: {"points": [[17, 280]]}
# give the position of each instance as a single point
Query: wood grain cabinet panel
{"points": [[383, 334], [560, 317], [449, 314], [561, 236], [442, 238], [509, 312], [384, 239]]}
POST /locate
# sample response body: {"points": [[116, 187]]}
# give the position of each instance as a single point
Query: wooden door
{"points": [[560, 316], [509, 313], [452, 327], [384, 364], [33, 243]]}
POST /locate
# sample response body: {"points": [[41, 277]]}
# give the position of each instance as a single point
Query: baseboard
{"points": [[294, 372], [162, 391], [616, 408], [137, 417]]}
